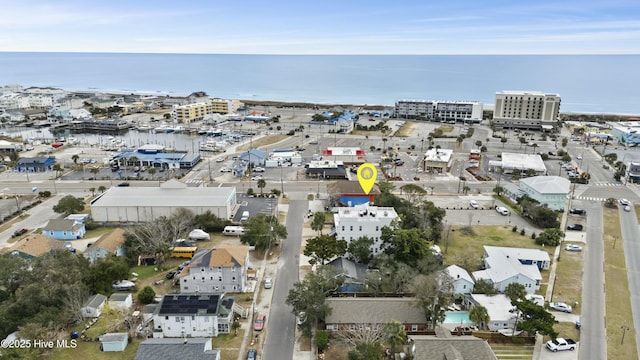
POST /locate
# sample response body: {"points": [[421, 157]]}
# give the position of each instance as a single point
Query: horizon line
{"points": [[301, 54]]}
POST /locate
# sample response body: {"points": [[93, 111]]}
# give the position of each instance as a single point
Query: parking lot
{"points": [[255, 205]]}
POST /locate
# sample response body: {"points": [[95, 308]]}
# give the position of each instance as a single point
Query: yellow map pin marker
{"points": [[367, 175]]}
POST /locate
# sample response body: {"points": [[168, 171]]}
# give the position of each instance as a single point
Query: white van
{"points": [[503, 210], [245, 216], [233, 230]]}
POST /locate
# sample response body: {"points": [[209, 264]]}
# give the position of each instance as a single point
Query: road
{"points": [[281, 322], [592, 335], [631, 240]]}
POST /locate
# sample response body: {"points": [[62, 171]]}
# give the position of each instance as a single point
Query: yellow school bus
{"points": [[184, 251]]}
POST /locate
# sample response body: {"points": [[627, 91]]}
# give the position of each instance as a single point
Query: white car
{"points": [[268, 283], [474, 204], [560, 306], [123, 285], [579, 157], [224, 170], [258, 169], [219, 160], [256, 177], [572, 247], [624, 202], [627, 208], [503, 210]]}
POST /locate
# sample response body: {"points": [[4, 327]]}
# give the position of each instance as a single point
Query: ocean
{"points": [[586, 83]]}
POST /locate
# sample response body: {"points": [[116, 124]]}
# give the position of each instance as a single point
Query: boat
{"points": [[178, 128], [144, 127]]}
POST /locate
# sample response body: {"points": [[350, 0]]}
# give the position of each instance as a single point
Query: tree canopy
{"points": [[69, 205], [404, 245], [324, 247], [262, 231], [479, 315]]}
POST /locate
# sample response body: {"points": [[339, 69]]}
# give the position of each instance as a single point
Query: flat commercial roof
{"points": [[523, 161], [162, 197]]}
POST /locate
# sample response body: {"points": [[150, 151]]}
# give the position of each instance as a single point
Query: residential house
{"points": [[121, 301], [498, 307], [506, 265], [92, 308], [462, 281], [187, 348], [111, 342], [364, 220], [35, 245], [353, 313], [216, 271], [446, 346], [205, 315], [353, 274], [551, 191], [64, 229], [111, 243]]}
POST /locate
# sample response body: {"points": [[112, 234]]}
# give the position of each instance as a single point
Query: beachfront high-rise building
{"points": [[446, 111], [529, 110]]}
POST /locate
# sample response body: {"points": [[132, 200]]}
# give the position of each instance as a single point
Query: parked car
{"points": [[579, 157], [258, 169], [268, 283], [560, 344], [474, 204], [224, 170], [220, 159], [123, 184], [605, 166], [560, 306], [258, 324], [252, 354], [183, 265], [256, 177], [171, 274], [302, 317], [19, 232], [123, 285], [572, 247], [627, 208], [503, 210], [624, 202], [577, 211], [577, 227]]}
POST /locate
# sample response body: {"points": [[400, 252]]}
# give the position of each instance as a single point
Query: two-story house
{"points": [[216, 271], [352, 223], [462, 281], [64, 229], [202, 315], [551, 191], [506, 265]]}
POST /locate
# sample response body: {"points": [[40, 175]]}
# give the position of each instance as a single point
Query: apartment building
{"points": [[352, 223], [528, 110], [445, 111], [197, 111]]}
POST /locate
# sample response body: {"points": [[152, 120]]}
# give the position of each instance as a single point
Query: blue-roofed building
{"points": [[151, 155], [254, 156], [35, 164]]}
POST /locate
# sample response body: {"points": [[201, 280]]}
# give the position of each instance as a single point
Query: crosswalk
{"points": [[194, 181], [589, 198], [608, 184]]}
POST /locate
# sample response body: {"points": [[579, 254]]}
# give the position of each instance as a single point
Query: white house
{"points": [[352, 223], [498, 307], [462, 281], [505, 265], [548, 190], [216, 271], [92, 308], [181, 315], [121, 301]]}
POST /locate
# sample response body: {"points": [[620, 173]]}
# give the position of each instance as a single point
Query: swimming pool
{"points": [[456, 317]]}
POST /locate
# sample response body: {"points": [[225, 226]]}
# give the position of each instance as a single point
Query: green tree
{"points": [[543, 216], [503, 140], [550, 237], [565, 141], [106, 270], [611, 203], [146, 295], [102, 188], [210, 222], [404, 245], [58, 169], [413, 192], [515, 292], [478, 143], [309, 296], [93, 191], [94, 171], [262, 231], [394, 335], [480, 316], [318, 222], [152, 171], [360, 249], [484, 287], [261, 184], [535, 319], [75, 158], [324, 247], [433, 294], [69, 205]]}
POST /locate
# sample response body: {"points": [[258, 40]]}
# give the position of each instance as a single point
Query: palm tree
{"points": [[93, 191], [466, 189], [134, 160], [102, 188], [479, 315], [75, 158], [261, 184], [152, 171], [58, 169], [94, 171]]}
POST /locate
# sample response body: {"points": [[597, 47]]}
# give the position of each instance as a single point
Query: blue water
{"points": [[587, 83], [457, 317]]}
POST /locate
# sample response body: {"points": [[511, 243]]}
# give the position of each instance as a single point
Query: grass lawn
{"points": [[566, 288], [98, 232], [618, 302], [267, 140], [461, 241], [91, 350], [445, 128], [406, 129], [637, 208]]}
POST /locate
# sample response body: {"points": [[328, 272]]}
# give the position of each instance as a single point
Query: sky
{"points": [[322, 27]]}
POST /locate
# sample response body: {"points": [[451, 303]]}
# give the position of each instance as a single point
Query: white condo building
{"points": [[530, 110], [352, 223], [458, 111]]}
